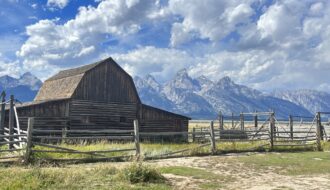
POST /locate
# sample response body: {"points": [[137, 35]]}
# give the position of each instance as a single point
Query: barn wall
{"points": [[107, 83], [156, 120], [47, 109], [51, 115], [97, 115]]}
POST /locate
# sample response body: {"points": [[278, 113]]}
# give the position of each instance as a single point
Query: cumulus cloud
{"points": [[9, 67], [211, 19], [284, 44], [50, 43], [163, 63], [57, 3]]}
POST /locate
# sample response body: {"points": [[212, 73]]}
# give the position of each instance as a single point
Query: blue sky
{"points": [[264, 44]]}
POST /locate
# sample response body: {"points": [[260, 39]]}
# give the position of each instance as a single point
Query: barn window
{"points": [[85, 119], [122, 119]]}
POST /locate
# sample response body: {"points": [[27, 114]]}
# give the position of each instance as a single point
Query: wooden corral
{"points": [[96, 96]]}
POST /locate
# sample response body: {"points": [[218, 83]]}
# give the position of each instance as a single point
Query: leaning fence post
{"points": [[272, 127], [11, 121], [137, 138], [242, 121], [318, 131], [213, 149], [29, 140], [291, 126]]}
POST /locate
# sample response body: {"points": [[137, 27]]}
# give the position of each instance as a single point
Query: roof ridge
{"points": [[76, 71]]}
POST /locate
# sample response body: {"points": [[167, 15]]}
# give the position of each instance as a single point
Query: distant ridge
{"points": [[199, 98]]}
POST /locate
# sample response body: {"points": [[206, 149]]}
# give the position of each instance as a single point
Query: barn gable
{"points": [[102, 81], [107, 83]]}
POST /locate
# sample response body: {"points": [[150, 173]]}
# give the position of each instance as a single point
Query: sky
{"points": [[264, 44]]}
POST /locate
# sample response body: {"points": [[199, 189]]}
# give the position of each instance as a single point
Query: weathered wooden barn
{"points": [[96, 96]]}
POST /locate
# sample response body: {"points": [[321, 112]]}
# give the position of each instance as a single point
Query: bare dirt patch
{"points": [[242, 176]]}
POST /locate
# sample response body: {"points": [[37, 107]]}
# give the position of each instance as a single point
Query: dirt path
{"points": [[240, 176], [234, 175]]}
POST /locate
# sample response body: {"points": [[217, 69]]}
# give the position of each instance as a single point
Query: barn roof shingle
{"points": [[63, 84]]}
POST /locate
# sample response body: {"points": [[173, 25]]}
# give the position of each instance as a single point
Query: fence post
{"points": [[137, 138], [232, 120], [213, 149], [291, 126], [272, 128], [29, 140], [193, 135], [318, 131], [256, 121], [64, 134], [11, 121], [2, 114], [242, 121]]}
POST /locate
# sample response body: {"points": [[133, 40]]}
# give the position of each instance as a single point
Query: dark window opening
{"points": [[122, 119]]}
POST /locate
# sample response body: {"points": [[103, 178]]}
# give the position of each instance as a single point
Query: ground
{"points": [[300, 170], [258, 171]]}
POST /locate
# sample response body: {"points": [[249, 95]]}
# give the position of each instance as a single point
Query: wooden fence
{"points": [[37, 140]]}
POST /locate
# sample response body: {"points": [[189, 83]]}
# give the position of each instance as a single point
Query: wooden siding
{"points": [[157, 120], [58, 108], [107, 82], [99, 115]]}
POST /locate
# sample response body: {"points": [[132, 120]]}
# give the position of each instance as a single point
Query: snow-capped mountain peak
{"points": [[23, 88], [182, 80], [149, 79], [312, 100], [28, 79], [8, 82]]}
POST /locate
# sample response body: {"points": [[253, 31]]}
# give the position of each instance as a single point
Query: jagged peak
{"points": [[7, 77], [203, 78], [182, 73], [27, 74], [225, 81], [149, 77]]}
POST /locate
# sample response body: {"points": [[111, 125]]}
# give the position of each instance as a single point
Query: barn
{"points": [[96, 96]]}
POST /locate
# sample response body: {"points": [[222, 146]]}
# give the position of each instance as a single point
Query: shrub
{"points": [[139, 173]]}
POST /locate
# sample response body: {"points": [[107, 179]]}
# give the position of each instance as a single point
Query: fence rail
{"points": [[37, 140]]}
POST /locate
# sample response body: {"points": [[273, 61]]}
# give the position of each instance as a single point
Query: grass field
{"points": [[155, 149], [301, 170]]}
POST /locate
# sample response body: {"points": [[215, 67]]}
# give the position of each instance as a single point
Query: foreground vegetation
{"points": [[135, 176], [158, 150], [215, 172]]}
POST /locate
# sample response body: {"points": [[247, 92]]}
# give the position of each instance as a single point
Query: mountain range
{"points": [[202, 98], [199, 98], [24, 88]]}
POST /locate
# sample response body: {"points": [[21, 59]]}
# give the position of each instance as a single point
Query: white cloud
{"points": [[163, 63], [286, 46], [211, 19], [57, 3], [78, 40], [281, 22], [180, 34], [9, 67]]}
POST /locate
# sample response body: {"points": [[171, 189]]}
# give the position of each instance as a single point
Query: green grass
{"points": [[147, 150], [101, 177], [300, 163], [155, 149]]}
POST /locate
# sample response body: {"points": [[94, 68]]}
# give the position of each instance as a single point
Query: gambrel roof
{"points": [[64, 84]]}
